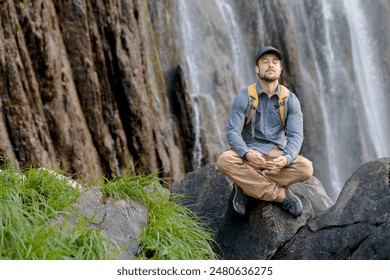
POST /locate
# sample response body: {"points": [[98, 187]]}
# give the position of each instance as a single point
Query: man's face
{"points": [[269, 67]]}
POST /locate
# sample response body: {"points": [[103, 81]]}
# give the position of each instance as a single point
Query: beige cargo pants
{"points": [[268, 185]]}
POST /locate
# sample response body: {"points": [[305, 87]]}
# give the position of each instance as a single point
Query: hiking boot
{"points": [[292, 204], [239, 200]]}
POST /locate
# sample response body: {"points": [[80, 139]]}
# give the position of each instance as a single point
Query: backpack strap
{"points": [[250, 113], [282, 102], [253, 102]]}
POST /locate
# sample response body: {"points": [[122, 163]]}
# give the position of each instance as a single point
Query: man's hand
{"points": [[278, 162], [258, 161], [255, 159]]}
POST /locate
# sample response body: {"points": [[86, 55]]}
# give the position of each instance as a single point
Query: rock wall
{"points": [[81, 88]]}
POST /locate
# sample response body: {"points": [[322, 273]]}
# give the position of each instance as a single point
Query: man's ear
{"points": [[257, 69]]}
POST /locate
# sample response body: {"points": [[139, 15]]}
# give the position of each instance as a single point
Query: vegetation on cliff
{"points": [[31, 200]]}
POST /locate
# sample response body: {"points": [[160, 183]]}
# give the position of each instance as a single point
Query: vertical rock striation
{"points": [[81, 88]]}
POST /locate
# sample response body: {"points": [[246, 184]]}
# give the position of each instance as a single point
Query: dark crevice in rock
{"points": [[333, 226], [282, 245], [181, 109], [353, 247], [114, 76]]}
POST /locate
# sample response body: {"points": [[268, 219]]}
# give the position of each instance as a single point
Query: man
{"points": [[263, 160]]}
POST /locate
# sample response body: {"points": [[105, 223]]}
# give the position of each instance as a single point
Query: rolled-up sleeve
{"points": [[236, 123], [294, 129]]}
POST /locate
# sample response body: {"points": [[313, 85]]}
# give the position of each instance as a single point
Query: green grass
{"points": [[173, 231], [28, 204], [31, 200]]}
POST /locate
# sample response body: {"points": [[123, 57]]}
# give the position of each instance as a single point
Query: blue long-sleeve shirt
{"points": [[268, 131]]}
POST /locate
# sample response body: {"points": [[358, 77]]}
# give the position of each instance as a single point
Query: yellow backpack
{"points": [[254, 101]]}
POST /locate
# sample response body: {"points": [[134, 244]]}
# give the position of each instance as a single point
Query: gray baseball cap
{"points": [[268, 49]]}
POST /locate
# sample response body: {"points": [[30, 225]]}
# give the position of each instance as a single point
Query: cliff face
{"points": [[76, 91], [97, 86]]}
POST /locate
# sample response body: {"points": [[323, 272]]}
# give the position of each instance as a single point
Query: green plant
{"points": [[28, 204], [173, 231], [32, 201]]}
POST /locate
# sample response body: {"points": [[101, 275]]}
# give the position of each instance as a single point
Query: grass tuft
{"points": [[173, 231], [30, 201]]}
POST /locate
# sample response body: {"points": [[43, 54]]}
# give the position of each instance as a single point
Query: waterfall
{"points": [[355, 115], [236, 41], [369, 78], [200, 65], [188, 39], [332, 60], [330, 136]]}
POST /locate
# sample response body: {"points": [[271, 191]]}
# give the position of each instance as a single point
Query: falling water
{"points": [[355, 114], [330, 137], [323, 61], [236, 41], [208, 126], [369, 78], [189, 39], [340, 88], [350, 124]]}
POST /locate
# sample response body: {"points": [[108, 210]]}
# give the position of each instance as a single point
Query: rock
{"points": [[265, 227], [120, 221], [207, 192], [82, 89], [355, 227], [376, 246]]}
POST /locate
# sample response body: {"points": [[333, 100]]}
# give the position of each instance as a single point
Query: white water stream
{"points": [[350, 112], [370, 81]]}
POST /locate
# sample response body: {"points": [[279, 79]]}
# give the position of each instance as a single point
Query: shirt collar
{"points": [[259, 89]]}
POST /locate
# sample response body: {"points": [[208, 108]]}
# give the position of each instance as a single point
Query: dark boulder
{"points": [[355, 227], [263, 230]]}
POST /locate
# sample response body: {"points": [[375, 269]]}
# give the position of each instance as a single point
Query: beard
{"points": [[267, 78]]}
